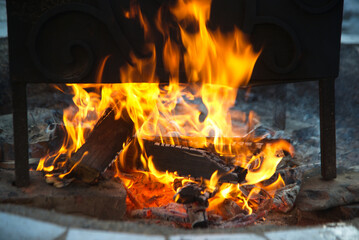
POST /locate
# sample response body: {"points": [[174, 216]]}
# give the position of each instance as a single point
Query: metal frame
{"points": [[21, 145], [327, 128]]}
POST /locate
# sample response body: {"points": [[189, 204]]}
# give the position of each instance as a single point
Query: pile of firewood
{"points": [[106, 141]]}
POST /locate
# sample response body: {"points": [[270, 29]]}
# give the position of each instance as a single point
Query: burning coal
{"points": [[194, 118]]}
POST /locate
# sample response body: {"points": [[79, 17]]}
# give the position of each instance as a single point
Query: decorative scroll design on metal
{"points": [[252, 19], [317, 10], [104, 14]]}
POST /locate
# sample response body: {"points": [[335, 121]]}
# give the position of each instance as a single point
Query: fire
{"points": [[215, 64]]}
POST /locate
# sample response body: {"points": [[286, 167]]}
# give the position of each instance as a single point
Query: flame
{"points": [[268, 159], [277, 184], [216, 64]]}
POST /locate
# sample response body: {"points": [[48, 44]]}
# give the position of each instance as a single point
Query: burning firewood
{"points": [[229, 209], [102, 146], [285, 197], [195, 200], [197, 163]]}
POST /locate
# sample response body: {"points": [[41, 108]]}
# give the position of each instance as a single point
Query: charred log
{"points": [[251, 142], [195, 200], [197, 163], [102, 146]]}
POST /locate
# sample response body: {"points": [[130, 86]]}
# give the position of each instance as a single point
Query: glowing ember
{"points": [[216, 65]]}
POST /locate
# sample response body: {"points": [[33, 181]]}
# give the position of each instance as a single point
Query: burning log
{"points": [[195, 200], [185, 161], [102, 146], [284, 198], [229, 209], [247, 142]]}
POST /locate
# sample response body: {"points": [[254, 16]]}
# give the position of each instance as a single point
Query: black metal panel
{"points": [[300, 39], [66, 41], [21, 144]]}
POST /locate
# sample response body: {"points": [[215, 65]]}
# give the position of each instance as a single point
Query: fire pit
{"points": [[176, 140]]}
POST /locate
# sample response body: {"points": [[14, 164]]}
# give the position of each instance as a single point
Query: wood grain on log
{"points": [[183, 160], [102, 146]]}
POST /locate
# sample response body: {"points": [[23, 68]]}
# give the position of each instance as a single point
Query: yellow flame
{"points": [[215, 64], [269, 159]]}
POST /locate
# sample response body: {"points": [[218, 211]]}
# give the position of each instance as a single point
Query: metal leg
{"points": [[21, 148], [280, 108], [327, 128]]}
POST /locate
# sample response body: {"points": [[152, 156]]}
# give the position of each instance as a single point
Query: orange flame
{"points": [[216, 64]]}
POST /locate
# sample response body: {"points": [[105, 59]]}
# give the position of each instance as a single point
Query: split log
{"points": [[197, 163], [102, 146], [228, 209], [236, 142]]}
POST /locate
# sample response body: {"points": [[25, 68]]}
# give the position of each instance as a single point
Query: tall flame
{"points": [[216, 64]]}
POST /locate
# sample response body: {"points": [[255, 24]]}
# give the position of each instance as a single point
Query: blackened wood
{"points": [[184, 160], [192, 193], [21, 146], [102, 146], [192, 142], [327, 128]]}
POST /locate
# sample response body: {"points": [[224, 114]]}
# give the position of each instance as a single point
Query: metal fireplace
{"points": [[64, 42]]}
